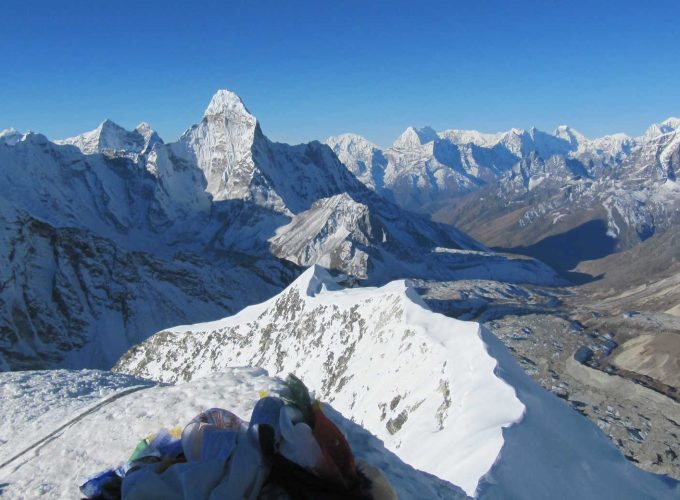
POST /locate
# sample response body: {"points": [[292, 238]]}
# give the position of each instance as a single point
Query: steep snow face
{"points": [[420, 168], [415, 137], [221, 145], [331, 233], [442, 394], [240, 163], [109, 136], [95, 419], [665, 127], [573, 137]]}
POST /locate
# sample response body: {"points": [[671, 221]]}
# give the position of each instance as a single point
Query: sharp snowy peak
{"points": [[91, 243], [444, 395], [112, 137], [568, 134], [239, 162], [424, 168], [335, 220], [415, 137], [511, 188], [221, 145]]}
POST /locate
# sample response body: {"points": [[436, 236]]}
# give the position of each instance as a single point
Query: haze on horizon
{"points": [[310, 70]]}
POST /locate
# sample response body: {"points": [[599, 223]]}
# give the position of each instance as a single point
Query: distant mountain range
{"points": [[528, 190], [112, 235]]}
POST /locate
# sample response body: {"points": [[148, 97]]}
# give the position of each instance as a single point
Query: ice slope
{"points": [[442, 394], [62, 426]]}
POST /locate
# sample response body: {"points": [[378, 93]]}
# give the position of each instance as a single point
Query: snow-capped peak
{"points": [[8, 132], [145, 129], [10, 136], [444, 395], [109, 136], [227, 103], [415, 137], [667, 126], [573, 137], [350, 142]]}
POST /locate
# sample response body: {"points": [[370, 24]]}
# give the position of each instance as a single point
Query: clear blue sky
{"points": [[312, 69]]}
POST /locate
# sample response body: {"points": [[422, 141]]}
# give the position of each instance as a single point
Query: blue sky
{"points": [[312, 69]]}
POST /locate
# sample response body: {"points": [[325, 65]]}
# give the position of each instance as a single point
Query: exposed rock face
{"points": [[72, 298]]}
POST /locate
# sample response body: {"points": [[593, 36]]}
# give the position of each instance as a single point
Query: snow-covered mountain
{"points": [[10, 136], [109, 136], [444, 395], [516, 188], [363, 158], [113, 235], [424, 167]]}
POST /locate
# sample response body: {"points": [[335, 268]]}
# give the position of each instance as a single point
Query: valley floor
{"points": [[600, 351]]}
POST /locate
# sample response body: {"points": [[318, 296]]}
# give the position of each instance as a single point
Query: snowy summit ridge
{"points": [[444, 395]]}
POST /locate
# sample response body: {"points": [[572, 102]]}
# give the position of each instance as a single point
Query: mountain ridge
{"points": [[435, 384]]}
